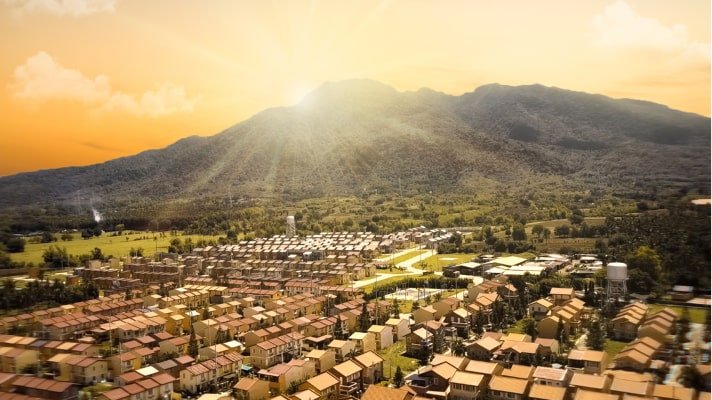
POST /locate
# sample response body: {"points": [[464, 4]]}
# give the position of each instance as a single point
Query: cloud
{"points": [[97, 146], [74, 8], [42, 78], [619, 27]]}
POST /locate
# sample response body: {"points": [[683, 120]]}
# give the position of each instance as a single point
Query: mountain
{"points": [[362, 136]]}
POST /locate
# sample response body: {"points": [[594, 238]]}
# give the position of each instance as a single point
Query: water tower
{"points": [[291, 226], [616, 276]]}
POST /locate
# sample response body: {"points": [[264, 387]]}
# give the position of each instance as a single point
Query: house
{"points": [[284, 376], [548, 327], [670, 392], [383, 335], [467, 386], [159, 386], [682, 293], [625, 325], [44, 388], [372, 365], [424, 314], [505, 388], [459, 319], [549, 347], [588, 361], [486, 369], [349, 375], [432, 380], [589, 382], [483, 349], [543, 392], [274, 351], [323, 359], [342, 348], [552, 377], [363, 341], [624, 387], [520, 352], [417, 340], [251, 389], [14, 360], [445, 306], [559, 296], [375, 392], [519, 372], [400, 327], [325, 385], [538, 309]]}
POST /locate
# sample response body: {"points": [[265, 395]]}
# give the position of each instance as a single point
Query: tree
{"points": [[594, 339], [424, 355], [561, 334], [364, 321], [537, 230], [396, 308], [519, 233], [15, 245], [562, 230], [67, 237], [683, 327], [47, 237], [97, 254], [647, 261], [458, 348], [192, 343], [58, 257], [479, 323], [438, 342], [530, 327], [546, 233], [691, 377], [398, 377]]}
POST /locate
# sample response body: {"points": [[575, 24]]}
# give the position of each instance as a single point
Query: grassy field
{"points": [[438, 261], [369, 288], [393, 357], [118, 246], [613, 347], [697, 315], [406, 256]]}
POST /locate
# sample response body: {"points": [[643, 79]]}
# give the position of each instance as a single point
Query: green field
{"points": [[613, 347], [697, 315], [393, 357], [438, 261], [118, 246], [405, 257]]}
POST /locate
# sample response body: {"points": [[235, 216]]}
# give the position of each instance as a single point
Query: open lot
{"points": [[118, 246]]}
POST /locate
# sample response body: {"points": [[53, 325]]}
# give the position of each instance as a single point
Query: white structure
{"points": [[616, 276], [291, 226]]}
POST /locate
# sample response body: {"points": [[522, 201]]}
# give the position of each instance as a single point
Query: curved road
{"points": [[407, 265]]}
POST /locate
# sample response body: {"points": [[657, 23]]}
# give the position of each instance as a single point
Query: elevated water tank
{"points": [[617, 271]]}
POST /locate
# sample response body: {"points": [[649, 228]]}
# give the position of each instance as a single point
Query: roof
{"points": [[551, 374], [509, 385], [467, 378], [673, 392], [631, 387], [245, 384], [599, 382], [518, 371], [488, 343], [587, 355], [545, 392], [561, 291], [591, 395], [42, 384], [375, 392], [482, 367], [347, 368], [323, 381], [368, 359]]}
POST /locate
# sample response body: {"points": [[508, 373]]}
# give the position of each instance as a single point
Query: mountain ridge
{"points": [[357, 136]]}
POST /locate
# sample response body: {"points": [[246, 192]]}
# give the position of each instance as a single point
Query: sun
{"points": [[297, 92]]}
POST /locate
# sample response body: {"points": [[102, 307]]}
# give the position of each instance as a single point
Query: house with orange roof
{"points": [[467, 386], [349, 375], [588, 361], [40, 388], [251, 389], [14, 360], [372, 365], [506, 388], [325, 385]]}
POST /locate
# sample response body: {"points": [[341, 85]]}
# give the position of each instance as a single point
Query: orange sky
{"points": [[84, 82]]}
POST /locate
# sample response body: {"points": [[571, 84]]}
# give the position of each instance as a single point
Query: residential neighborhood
{"points": [[281, 318]]}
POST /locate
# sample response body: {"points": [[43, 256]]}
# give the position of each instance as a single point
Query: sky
{"points": [[85, 81]]}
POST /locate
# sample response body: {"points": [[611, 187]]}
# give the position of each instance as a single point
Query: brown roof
{"points": [[116, 394], [590, 395], [467, 378], [482, 367], [509, 385], [631, 387], [518, 371], [322, 381], [599, 382], [673, 392], [375, 392], [587, 355], [545, 392]]}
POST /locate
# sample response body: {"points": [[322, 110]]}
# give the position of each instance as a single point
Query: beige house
{"points": [[342, 349], [559, 296], [349, 375], [588, 361], [325, 385], [251, 389], [543, 392], [363, 341], [467, 386], [424, 314], [372, 365], [505, 388], [400, 327], [483, 349], [539, 309], [323, 359], [589, 382], [13, 360], [383, 335]]}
